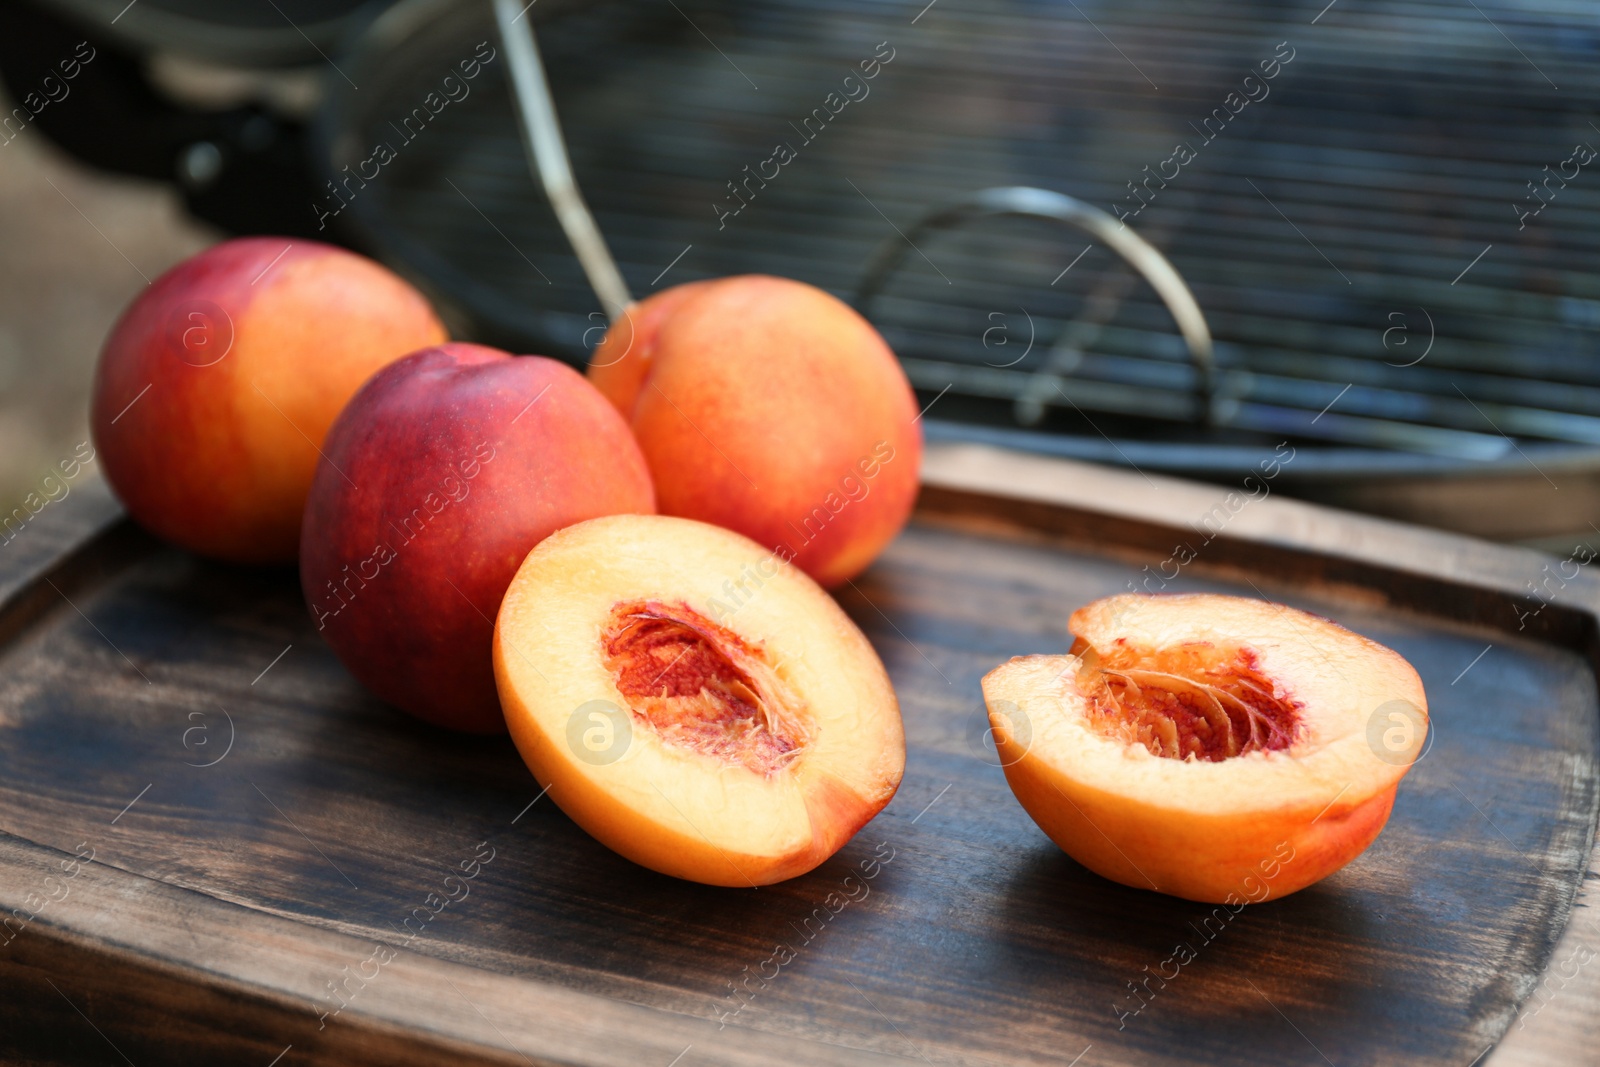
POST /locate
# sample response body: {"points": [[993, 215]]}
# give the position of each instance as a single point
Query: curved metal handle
{"points": [[1025, 200], [547, 153]]}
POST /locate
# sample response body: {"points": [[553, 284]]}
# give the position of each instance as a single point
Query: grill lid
{"points": [[1381, 210]]}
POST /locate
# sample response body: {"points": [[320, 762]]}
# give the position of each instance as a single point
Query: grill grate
{"points": [[1351, 235]]}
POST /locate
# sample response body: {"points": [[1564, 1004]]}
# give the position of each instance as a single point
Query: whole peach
{"points": [[217, 385], [772, 408], [441, 475]]}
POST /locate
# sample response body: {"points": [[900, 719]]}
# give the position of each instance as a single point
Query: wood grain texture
{"points": [[224, 898], [1280, 544]]}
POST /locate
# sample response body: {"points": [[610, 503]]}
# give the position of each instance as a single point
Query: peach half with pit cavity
{"points": [[1215, 748], [730, 745]]}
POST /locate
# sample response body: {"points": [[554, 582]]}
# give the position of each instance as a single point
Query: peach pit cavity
{"points": [[1195, 700], [701, 687]]}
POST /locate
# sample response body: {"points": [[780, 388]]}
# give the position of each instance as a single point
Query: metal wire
{"points": [[547, 156], [1029, 202]]}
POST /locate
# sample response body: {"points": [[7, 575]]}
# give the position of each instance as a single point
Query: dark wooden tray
{"points": [[258, 824]]}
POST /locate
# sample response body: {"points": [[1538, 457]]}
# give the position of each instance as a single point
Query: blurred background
{"points": [[1386, 208]]}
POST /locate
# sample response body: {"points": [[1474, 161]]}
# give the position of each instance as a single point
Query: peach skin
{"points": [[771, 408], [216, 387], [443, 472]]}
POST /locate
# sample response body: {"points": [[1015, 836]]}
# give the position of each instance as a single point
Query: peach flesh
{"points": [[700, 687], [729, 747], [1120, 749], [1196, 700]]}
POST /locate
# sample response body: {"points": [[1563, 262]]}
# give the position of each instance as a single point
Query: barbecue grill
{"points": [[1391, 235]]}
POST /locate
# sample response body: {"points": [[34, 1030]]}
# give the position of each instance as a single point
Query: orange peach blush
{"points": [[771, 408], [731, 747], [217, 386], [1215, 748]]}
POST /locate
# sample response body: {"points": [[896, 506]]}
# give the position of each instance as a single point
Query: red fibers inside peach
{"points": [[1190, 701], [702, 687]]}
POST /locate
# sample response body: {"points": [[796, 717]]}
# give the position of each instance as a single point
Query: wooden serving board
{"points": [[253, 828]]}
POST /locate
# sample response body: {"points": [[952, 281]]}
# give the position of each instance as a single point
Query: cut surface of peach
{"points": [[1216, 748], [693, 702]]}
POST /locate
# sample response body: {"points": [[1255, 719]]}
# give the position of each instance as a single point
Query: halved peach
{"points": [[694, 702], [1216, 748]]}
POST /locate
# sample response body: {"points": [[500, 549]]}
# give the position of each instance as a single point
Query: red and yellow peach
{"points": [[440, 476], [773, 409], [217, 386]]}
